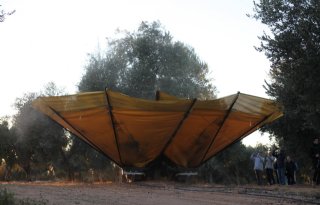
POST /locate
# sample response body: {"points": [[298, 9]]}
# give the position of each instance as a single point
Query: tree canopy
{"points": [[7, 139], [140, 63], [293, 49], [3, 14], [35, 142], [38, 138]]}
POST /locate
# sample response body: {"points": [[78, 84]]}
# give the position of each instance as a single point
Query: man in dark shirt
{"points": [[280, 165], [290, 169]]}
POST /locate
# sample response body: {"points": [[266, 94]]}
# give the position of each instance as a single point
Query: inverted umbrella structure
{"points": [[134, 132]]}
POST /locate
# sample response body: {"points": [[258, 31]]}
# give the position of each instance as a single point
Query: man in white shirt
{"points": [[269, 168], [258, 166]]}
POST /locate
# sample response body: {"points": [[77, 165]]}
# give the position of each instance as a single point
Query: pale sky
{"points": [[48, 40]]}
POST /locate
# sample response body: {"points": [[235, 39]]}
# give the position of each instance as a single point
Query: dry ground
{"points": [[156, 193]]}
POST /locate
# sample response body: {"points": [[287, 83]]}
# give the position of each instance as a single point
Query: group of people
{"points": [[279, 168]]}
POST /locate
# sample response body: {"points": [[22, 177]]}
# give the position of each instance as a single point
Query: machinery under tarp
{"points": [[134, 132]]}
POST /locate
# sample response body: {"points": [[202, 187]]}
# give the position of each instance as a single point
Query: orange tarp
{"points": [[133, 132]]}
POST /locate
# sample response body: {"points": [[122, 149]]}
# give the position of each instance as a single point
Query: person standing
{"points": [[280, 165], [275, 168], [290, 169], [258, 166], [269, 168], [315, 155]]}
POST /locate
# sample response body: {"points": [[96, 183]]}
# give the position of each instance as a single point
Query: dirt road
{"points": [[157, 193]]}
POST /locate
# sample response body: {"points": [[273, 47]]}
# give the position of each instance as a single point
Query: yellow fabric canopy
{"points": [[133, 132]]}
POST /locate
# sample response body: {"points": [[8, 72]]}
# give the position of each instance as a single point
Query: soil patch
{"points": [[158, 193]]}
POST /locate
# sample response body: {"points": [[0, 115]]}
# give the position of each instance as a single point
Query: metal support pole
{"points": [[224, 120], [113, 125]]}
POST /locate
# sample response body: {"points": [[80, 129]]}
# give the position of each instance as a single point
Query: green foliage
{"points": [[80, 157], [142, 62], [232, 166], [7, 140], [42, 142], [293, 50], [39, 139]]}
